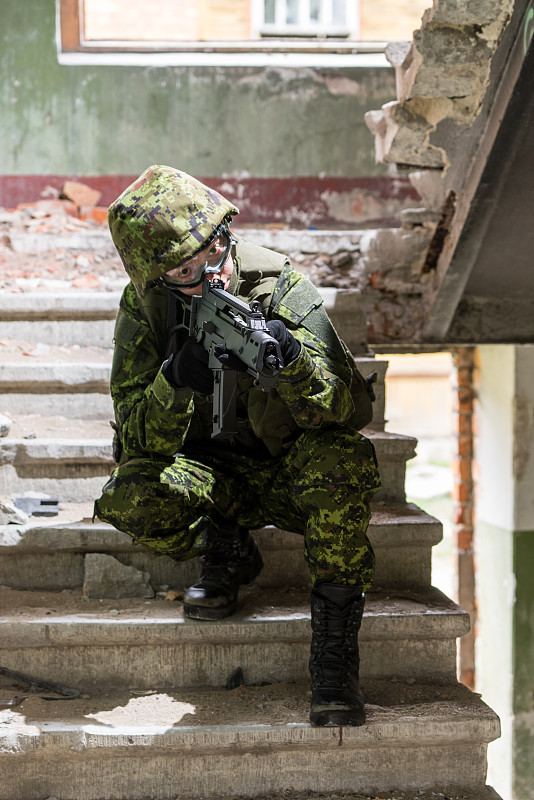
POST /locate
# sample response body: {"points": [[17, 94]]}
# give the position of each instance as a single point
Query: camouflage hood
{"points": [[161, 219]]}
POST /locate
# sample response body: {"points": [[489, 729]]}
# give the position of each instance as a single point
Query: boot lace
{"points": [[334, 650]]}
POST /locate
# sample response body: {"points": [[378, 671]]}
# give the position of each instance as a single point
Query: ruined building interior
{"points": [[397, 176]]}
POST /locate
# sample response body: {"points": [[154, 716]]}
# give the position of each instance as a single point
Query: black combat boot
{"points": [[336, 615], [233, 560]]}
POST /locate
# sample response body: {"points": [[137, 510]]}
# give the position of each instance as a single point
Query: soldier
{"points": [[297, 460]]}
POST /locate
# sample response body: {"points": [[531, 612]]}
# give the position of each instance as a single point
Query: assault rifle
{"points": [[224, 324]]}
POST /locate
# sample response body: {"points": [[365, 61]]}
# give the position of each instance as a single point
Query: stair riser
{"points": [[395, 567], [64, 481], [161, 665], [83, 769]]}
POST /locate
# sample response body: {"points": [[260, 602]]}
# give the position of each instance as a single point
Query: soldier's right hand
{"points": [[190, 368]]}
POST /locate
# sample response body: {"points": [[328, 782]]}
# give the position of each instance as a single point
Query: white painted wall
{"points": [[505, 505]]}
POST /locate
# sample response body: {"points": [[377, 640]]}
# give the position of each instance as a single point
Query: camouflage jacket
{"points": [[320, 388]]}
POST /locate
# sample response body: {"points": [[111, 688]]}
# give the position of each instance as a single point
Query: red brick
{"points": [[80, 194], [462, 514], [96, 213], [464, 446], [464, 423], [464, 537], [462, 493], [88, 281]]}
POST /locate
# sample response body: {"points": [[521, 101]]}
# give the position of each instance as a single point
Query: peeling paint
{"points": [[341, 85]]}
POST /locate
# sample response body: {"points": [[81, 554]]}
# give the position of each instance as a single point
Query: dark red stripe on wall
{"points": [[302, 202]]}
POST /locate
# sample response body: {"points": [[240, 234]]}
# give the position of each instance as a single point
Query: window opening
{"points": [[235, 26]]}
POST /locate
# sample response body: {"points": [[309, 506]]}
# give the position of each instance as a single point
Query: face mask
{"points": [[207, 261]]}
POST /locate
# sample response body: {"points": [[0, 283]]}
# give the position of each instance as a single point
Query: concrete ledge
{"points": [[390, 447], [264, 617], [35, 243], [39, 377], [119, 644], [67, 305], [413, 746], [19, 452], [62, 466], [390, 526], [282, 240], [50, 555]]}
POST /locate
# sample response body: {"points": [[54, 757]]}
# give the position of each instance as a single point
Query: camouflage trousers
{"points": [[320, 488]]}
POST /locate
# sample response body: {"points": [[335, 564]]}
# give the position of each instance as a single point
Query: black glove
{"points": [[289, 347], [190, 368]]}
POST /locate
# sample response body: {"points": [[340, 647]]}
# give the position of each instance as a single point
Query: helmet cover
{"points": [[162, 219]]}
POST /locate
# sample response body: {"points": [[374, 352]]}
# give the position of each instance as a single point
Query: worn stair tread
{"points": [[72, 530], [43, 619], [421, 711]]}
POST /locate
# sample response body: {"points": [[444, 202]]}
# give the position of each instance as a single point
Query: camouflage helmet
{"points": [[161, 219]]}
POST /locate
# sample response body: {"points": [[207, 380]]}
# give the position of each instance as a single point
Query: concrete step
{"points": [[87, 317], [60, 319], [246, 742], [71, 458], [48, 379], [91, 644], [50, 553]]}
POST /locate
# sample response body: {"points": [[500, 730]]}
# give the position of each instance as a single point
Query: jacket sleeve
{"points": [[316, 385], [151, 416]]}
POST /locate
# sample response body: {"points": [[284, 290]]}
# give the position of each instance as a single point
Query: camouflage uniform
{"points": [[297, 461]]}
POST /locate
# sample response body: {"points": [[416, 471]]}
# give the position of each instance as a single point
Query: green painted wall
{"points": [[93, 120], [505, 653], [523, 783]]}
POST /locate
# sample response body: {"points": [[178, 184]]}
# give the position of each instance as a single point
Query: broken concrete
{"points": [[468, 12], [389, 249], [402, 137], [105, 576], [80, 193], [5, 425], [442, 74], [10, 514]]}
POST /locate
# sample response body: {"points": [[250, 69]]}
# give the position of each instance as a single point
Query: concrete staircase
{"points": [[140, 703]]}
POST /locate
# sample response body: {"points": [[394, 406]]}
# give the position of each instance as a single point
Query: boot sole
{"points": [[337, 719], [207, 613]]}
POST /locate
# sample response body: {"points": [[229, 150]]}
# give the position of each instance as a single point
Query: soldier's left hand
{"points": [[289, 347]]}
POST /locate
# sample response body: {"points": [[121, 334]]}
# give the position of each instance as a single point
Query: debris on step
{"points": [[38, 506], [5, 425], [17, 686], [10, 514]]}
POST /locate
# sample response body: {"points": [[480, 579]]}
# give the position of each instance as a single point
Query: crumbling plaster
{"points": [[446, 81]]}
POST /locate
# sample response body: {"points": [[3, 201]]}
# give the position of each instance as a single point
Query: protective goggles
{"points": [[210, 259]]}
